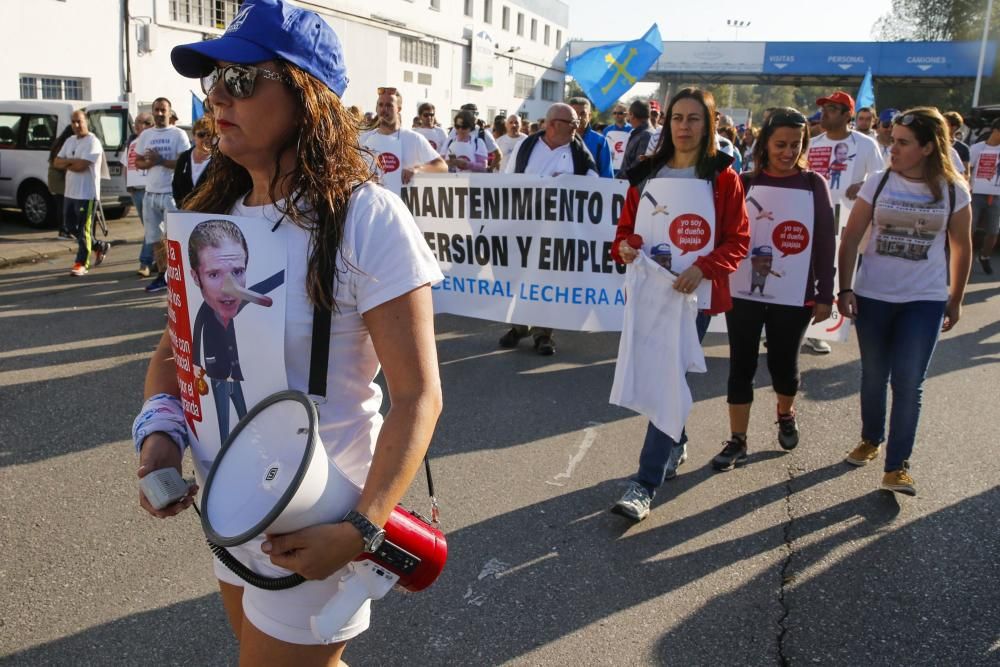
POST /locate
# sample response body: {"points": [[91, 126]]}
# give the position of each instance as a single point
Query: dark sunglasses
{"points": [[618, 113], [147, 122], [383, 90], [461, 127], [238, 79], [201, 135], [786, 119], [427, 114], [886, 124]]}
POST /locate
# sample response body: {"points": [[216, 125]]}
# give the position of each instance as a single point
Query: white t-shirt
{"points": [[843, 162], [383, 255], [984, 165], [488, 138], [545, 161], [435, 136], [904, 258], [474, 150], [507, 145], [83, 184], [134, 177], [169, 142], [415, 151], [197, 168]]}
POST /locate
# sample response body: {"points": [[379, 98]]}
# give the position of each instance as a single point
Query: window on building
{"points": [[550, 90], [534, 30], [488, 11], [436, 5], [558, 39], [520, 24], [34, 86], [417, 52], [424, 79], [547, 35], [468, 7], [524, 86], [29, 88], [208, 13], [505, 18], [407, 76]]}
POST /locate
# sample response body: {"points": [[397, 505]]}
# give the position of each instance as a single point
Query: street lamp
{"points": [[736, 25]]}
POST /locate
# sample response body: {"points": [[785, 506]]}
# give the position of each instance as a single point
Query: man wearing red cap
{"points": [[845, 158]]}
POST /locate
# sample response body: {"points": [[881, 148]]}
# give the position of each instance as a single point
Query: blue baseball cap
{"points": [[270, 30], [815, 118], [887, 115], [762, 251]]}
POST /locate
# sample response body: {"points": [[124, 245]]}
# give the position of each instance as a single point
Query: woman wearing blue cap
{"points": [[288, 153]]}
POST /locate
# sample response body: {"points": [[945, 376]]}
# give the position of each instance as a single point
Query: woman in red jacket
{"points": [[688, 150]]}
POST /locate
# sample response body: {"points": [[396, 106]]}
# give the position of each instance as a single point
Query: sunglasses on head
{"points": [[787, 119], [906, 119], [383, 90], [238, 80]]}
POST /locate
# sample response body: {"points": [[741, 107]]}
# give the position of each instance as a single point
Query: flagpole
{"points": [[982, 53]]}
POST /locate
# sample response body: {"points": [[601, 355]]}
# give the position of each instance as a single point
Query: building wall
{"points": [[85, 39]]}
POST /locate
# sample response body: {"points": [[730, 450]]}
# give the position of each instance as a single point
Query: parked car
{"points": [[28, 129], [979, 122]]}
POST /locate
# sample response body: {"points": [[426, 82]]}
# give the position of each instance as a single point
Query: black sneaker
{"points": [[987, 265], [788, 431], [63, 234], [511, 338], [733, 453], [101, 252], [545, 346]]}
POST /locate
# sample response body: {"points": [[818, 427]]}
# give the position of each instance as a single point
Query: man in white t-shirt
{"points": [[156, 152], [984, 167], [865, 120], [845, 158], [509, 141], [135, 181], [81, 157], [399, 153], [555, 152], [429, 128]]}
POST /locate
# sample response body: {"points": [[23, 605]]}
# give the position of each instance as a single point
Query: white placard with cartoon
{"points": [[676, 220], [781, 234], [617, 140], [388, 151], [226, 311], [834, 161], [986, 177]]}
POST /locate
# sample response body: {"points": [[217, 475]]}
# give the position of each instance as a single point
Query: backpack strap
{"points": [[524, 152], [881, 185]]}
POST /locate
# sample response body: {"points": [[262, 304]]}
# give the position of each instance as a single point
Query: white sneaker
{"points": [[678, 455], [818, 346], [635, 503]]}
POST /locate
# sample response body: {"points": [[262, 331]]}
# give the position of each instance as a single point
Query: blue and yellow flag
{"points": [[606, 73]]}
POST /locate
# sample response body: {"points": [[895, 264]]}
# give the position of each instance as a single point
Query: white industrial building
{"points": [[504, 55]]}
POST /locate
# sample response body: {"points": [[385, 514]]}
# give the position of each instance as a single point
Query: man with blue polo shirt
{"points": [[594, 141]]}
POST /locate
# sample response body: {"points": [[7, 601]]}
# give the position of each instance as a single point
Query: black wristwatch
{"points": [[372, 535]]}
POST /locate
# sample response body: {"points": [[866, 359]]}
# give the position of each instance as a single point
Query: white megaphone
{"points": [[273, 475]]}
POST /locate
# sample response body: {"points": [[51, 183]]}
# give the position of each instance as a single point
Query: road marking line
{"points": [[589, 436]]}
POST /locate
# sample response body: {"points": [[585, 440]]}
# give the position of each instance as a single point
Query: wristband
{"points": [[162, 413], [845, 291]]}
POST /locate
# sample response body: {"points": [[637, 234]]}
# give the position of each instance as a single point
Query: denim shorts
{"points": [[986, 213]]}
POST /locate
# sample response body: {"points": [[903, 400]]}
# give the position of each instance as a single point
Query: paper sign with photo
{"points": [[781, 234], [676, 219], [226, 318], [986, 178]]}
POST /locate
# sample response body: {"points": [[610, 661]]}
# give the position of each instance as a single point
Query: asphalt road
{"points": [[794, 559]]}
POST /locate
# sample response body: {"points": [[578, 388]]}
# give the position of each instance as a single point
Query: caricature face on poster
{"points": [[834, 161], [676, 219], [226, 310], [781, 233]]}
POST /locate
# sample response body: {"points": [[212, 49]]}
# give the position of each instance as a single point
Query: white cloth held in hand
{"points": [[659, 345]]}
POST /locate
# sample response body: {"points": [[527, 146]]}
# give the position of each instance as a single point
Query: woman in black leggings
{"points": [[779, 160]]}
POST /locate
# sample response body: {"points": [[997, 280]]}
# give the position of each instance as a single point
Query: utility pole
{"points": [[982, 53]]}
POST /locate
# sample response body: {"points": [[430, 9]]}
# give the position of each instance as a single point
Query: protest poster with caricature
{"points": [[676, 220], [226, 321], [781, 234]]}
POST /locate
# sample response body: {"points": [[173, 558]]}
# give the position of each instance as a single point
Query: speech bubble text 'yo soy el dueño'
{"points": [[790, 238], [690, 232]]}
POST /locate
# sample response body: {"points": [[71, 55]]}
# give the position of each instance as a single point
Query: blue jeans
{"points": [[657, 445], [146, 254], [223, 391], [897, 341], [155, 206]]}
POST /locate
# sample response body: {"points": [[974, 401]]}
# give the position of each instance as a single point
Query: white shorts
{"points": [[285, 615]]}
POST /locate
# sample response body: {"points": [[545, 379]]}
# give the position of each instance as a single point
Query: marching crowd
{"points": [[279, 150]]}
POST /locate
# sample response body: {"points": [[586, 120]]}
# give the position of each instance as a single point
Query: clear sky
{"points": [[686, 20]]}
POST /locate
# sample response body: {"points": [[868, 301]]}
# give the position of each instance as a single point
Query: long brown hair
{"points": [[329, 164], [928, 125], [781, 117], [705, 167]]}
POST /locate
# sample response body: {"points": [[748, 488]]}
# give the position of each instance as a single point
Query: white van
{"points": [[29, 128]]}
